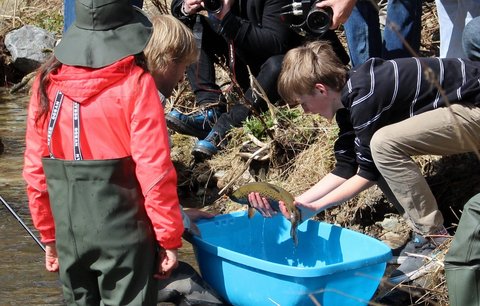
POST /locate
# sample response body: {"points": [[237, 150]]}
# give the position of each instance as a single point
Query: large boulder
{"points": [[29, 47]]}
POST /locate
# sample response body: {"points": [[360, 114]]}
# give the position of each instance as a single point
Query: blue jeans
{"points": [[364, 37], [69, 11], [470, 39], [453, 15]]}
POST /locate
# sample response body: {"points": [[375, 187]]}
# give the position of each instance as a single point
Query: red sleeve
{"points": [[33, 174], [154, 168]]}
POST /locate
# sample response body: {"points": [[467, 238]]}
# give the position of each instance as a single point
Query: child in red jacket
{"points": [[101, 185]]}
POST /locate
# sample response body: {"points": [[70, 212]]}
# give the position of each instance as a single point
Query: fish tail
{"points": [[293, 234]]}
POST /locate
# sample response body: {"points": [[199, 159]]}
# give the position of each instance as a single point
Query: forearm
{"points": [[163, 209], [328, 183], [42, 217], [343, 192]]}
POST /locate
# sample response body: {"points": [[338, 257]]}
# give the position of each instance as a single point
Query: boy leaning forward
{"points": [[387, 111]]}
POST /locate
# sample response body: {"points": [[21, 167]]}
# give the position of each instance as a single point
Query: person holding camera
{"points": [[248, 35]]}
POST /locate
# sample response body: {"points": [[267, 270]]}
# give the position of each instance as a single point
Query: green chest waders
{"points": [[462, 261], [104, 238]]}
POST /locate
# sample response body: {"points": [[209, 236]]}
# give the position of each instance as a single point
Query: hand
{"points": [[194, 215], [261, 204], [191, 7], [51, 258], [341, 10], [167, 263]]}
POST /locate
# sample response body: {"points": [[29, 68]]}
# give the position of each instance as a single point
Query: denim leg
{"points": [[69, 12], [453, 15], [471, 40], [362, 31], [403, 23]]}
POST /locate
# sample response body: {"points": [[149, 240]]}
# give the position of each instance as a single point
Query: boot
{"points": [[198, 124], [206, 148]]}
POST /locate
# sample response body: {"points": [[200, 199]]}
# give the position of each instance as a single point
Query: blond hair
{"points": [[171, 41], [307, 65]]}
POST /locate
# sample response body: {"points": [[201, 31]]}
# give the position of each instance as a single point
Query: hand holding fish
{"points": [[266, 198], [262, 205]]}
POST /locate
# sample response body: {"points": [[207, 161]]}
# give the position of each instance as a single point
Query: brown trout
{"points": [[274, 194]]}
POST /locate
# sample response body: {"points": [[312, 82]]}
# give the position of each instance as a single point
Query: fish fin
{"points": [[251, 212]]}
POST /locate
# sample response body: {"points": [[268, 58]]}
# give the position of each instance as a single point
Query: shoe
{"points": [[198, 124], [417, 242], [206, 148], [415, 265], [413, 257], [399, 255]]}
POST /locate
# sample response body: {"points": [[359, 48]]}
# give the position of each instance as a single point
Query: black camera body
{"points": [[213, 6], [304, 17]]}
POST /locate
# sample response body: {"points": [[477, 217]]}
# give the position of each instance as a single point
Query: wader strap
{"points": [[53, 120], [77, 152]]}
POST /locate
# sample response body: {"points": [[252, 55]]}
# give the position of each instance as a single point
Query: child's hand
{"points": [[51, 258], [167, 263], [261, 204], [194, 215]]}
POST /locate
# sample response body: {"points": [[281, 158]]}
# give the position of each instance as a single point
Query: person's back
{"points": [[101, 185]]}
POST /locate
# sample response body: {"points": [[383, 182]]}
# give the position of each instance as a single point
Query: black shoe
{"points": [[419, 257], [198, 124]]}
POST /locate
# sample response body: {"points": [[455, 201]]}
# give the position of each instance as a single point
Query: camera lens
{"points": [[213, 6], [319, 20]]}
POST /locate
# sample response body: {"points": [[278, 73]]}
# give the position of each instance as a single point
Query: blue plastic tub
{"points": [[254, 261]]}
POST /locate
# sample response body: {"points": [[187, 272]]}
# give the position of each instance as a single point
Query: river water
{"points": [[23, 278]]}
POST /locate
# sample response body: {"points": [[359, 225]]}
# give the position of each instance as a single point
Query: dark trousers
{"points": [[202, 77]]}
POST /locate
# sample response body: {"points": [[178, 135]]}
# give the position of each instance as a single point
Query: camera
{"points": [[304, 17], [213, 6]]}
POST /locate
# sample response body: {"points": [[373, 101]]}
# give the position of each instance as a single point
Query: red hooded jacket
{"points": [[121, 115]]}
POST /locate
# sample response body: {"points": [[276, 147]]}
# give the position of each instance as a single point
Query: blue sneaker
{"points": [[206, 148], [198, 124]]}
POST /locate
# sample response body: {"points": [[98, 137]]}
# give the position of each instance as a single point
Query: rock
{"points": [[392, 223], [29, 47]]}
